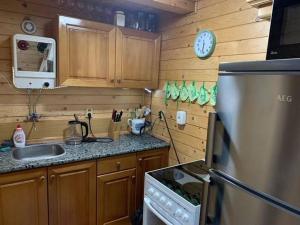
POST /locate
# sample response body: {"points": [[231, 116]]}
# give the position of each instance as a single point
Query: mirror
{"points": [[34, 56], [34, 61]]}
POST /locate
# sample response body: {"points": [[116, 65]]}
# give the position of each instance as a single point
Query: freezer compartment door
{"points": [[257, 133], [229, 204]]}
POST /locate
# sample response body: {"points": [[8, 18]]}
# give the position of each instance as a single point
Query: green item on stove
{"points": [[167, 90], [213, 95], [175, 91], [193, 93], [184, 93], [203, 95]]}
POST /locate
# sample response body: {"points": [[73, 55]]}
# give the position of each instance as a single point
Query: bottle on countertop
{"points": [[19, 137]]}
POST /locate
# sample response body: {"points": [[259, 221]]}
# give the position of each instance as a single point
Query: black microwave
{"points": [[284, 38]]}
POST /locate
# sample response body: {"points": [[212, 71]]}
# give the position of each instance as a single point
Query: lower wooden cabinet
{"points": [[23, 198], [116, 197], [72, 194], [147, 161]]}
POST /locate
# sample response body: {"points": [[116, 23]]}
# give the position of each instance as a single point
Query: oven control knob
{"points": [[185, 218], [151, 191], [156, 195], [169, 205], [178, 213], [163, 200]]}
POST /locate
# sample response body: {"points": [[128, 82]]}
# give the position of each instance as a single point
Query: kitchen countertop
{"points": [[87, 151]]}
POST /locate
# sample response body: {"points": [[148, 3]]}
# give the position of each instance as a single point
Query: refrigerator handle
{"points": [[210, 138], [204, 203], [208, 214]]}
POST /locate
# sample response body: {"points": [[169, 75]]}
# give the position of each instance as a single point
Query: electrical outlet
{"points": [[91, 111]]}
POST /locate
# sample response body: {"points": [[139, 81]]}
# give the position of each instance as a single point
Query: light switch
{"points": [[181, 117]]}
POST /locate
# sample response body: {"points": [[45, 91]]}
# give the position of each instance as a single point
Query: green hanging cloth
{"points": [[203, 95], [213, 95], [184, 93], [193, 93], [167, 90], [175, 91]]}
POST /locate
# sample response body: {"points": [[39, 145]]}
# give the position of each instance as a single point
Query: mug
{"points": [[137, 125]]}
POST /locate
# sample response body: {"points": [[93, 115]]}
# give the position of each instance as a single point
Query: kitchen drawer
{"points": [[117, 163]]}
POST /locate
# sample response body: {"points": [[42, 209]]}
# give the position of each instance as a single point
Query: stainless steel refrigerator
{"points": [[253, 146]]}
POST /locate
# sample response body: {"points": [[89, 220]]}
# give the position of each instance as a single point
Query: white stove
{"points": [[173, 196]]}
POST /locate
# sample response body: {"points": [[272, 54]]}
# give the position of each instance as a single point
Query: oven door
{"points": [[151, 215], [284, 39]]}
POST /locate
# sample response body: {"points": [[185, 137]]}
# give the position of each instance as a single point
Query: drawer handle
{"points": [[119, 81], [112, 81], [42, 178], [133, 178], [118, 165]]}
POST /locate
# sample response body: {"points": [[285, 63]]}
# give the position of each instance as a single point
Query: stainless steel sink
{"points": [[38, 152]]}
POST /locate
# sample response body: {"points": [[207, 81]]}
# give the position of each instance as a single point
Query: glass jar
{"points": [[141, 20], [131, 20], [151, 22]]}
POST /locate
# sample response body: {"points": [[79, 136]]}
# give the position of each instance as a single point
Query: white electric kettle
{"points": [[137, 125]]}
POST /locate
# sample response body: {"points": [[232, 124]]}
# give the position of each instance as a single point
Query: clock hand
{"points": [[203, 47]]}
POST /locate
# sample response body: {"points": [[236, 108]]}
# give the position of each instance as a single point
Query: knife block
{"points": [[114, 130]]}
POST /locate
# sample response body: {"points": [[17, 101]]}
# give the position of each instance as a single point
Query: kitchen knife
{"points": [[120, 117], [113, 117]]}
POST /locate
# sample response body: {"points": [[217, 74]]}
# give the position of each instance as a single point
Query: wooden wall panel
{"points": [[239, 38], [55, 106]]}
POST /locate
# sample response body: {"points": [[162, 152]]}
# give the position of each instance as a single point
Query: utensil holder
{"points": [[114, 130]]}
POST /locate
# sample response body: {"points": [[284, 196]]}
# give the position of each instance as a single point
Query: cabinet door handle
{"points": [[42, 178], [140, 161], [133, 178], [52, 177]]}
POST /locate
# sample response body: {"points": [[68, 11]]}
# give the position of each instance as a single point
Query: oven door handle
{"points": [[147, 202]]}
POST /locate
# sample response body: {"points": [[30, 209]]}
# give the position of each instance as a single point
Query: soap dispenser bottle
{"points": [[19, 137]]}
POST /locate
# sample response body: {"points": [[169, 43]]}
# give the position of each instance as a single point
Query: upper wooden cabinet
{"points": [[93, 54], [23, 198], [137, 62], [86, 53], [72, 194]]}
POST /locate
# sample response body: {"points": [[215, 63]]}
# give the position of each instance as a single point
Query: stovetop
{"points": [[185, 180]]}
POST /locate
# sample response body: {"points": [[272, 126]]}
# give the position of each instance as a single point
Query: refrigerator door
{"points": [[257, 133], [228, 204]]}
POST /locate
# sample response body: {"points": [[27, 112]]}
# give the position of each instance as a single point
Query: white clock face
{"points": [[204, 44]]}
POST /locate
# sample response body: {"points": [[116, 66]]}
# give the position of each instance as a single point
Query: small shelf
{"points": [[259, 3], [264, 8]]}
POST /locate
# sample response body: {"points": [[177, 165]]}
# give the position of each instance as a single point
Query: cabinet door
{"points": [[116, 197], [23, 198], [137, 62], [86, 53], [72, 194], [148, 161]]}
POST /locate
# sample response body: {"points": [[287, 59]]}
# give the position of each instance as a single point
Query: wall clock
{"points": [[205, 43]]}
